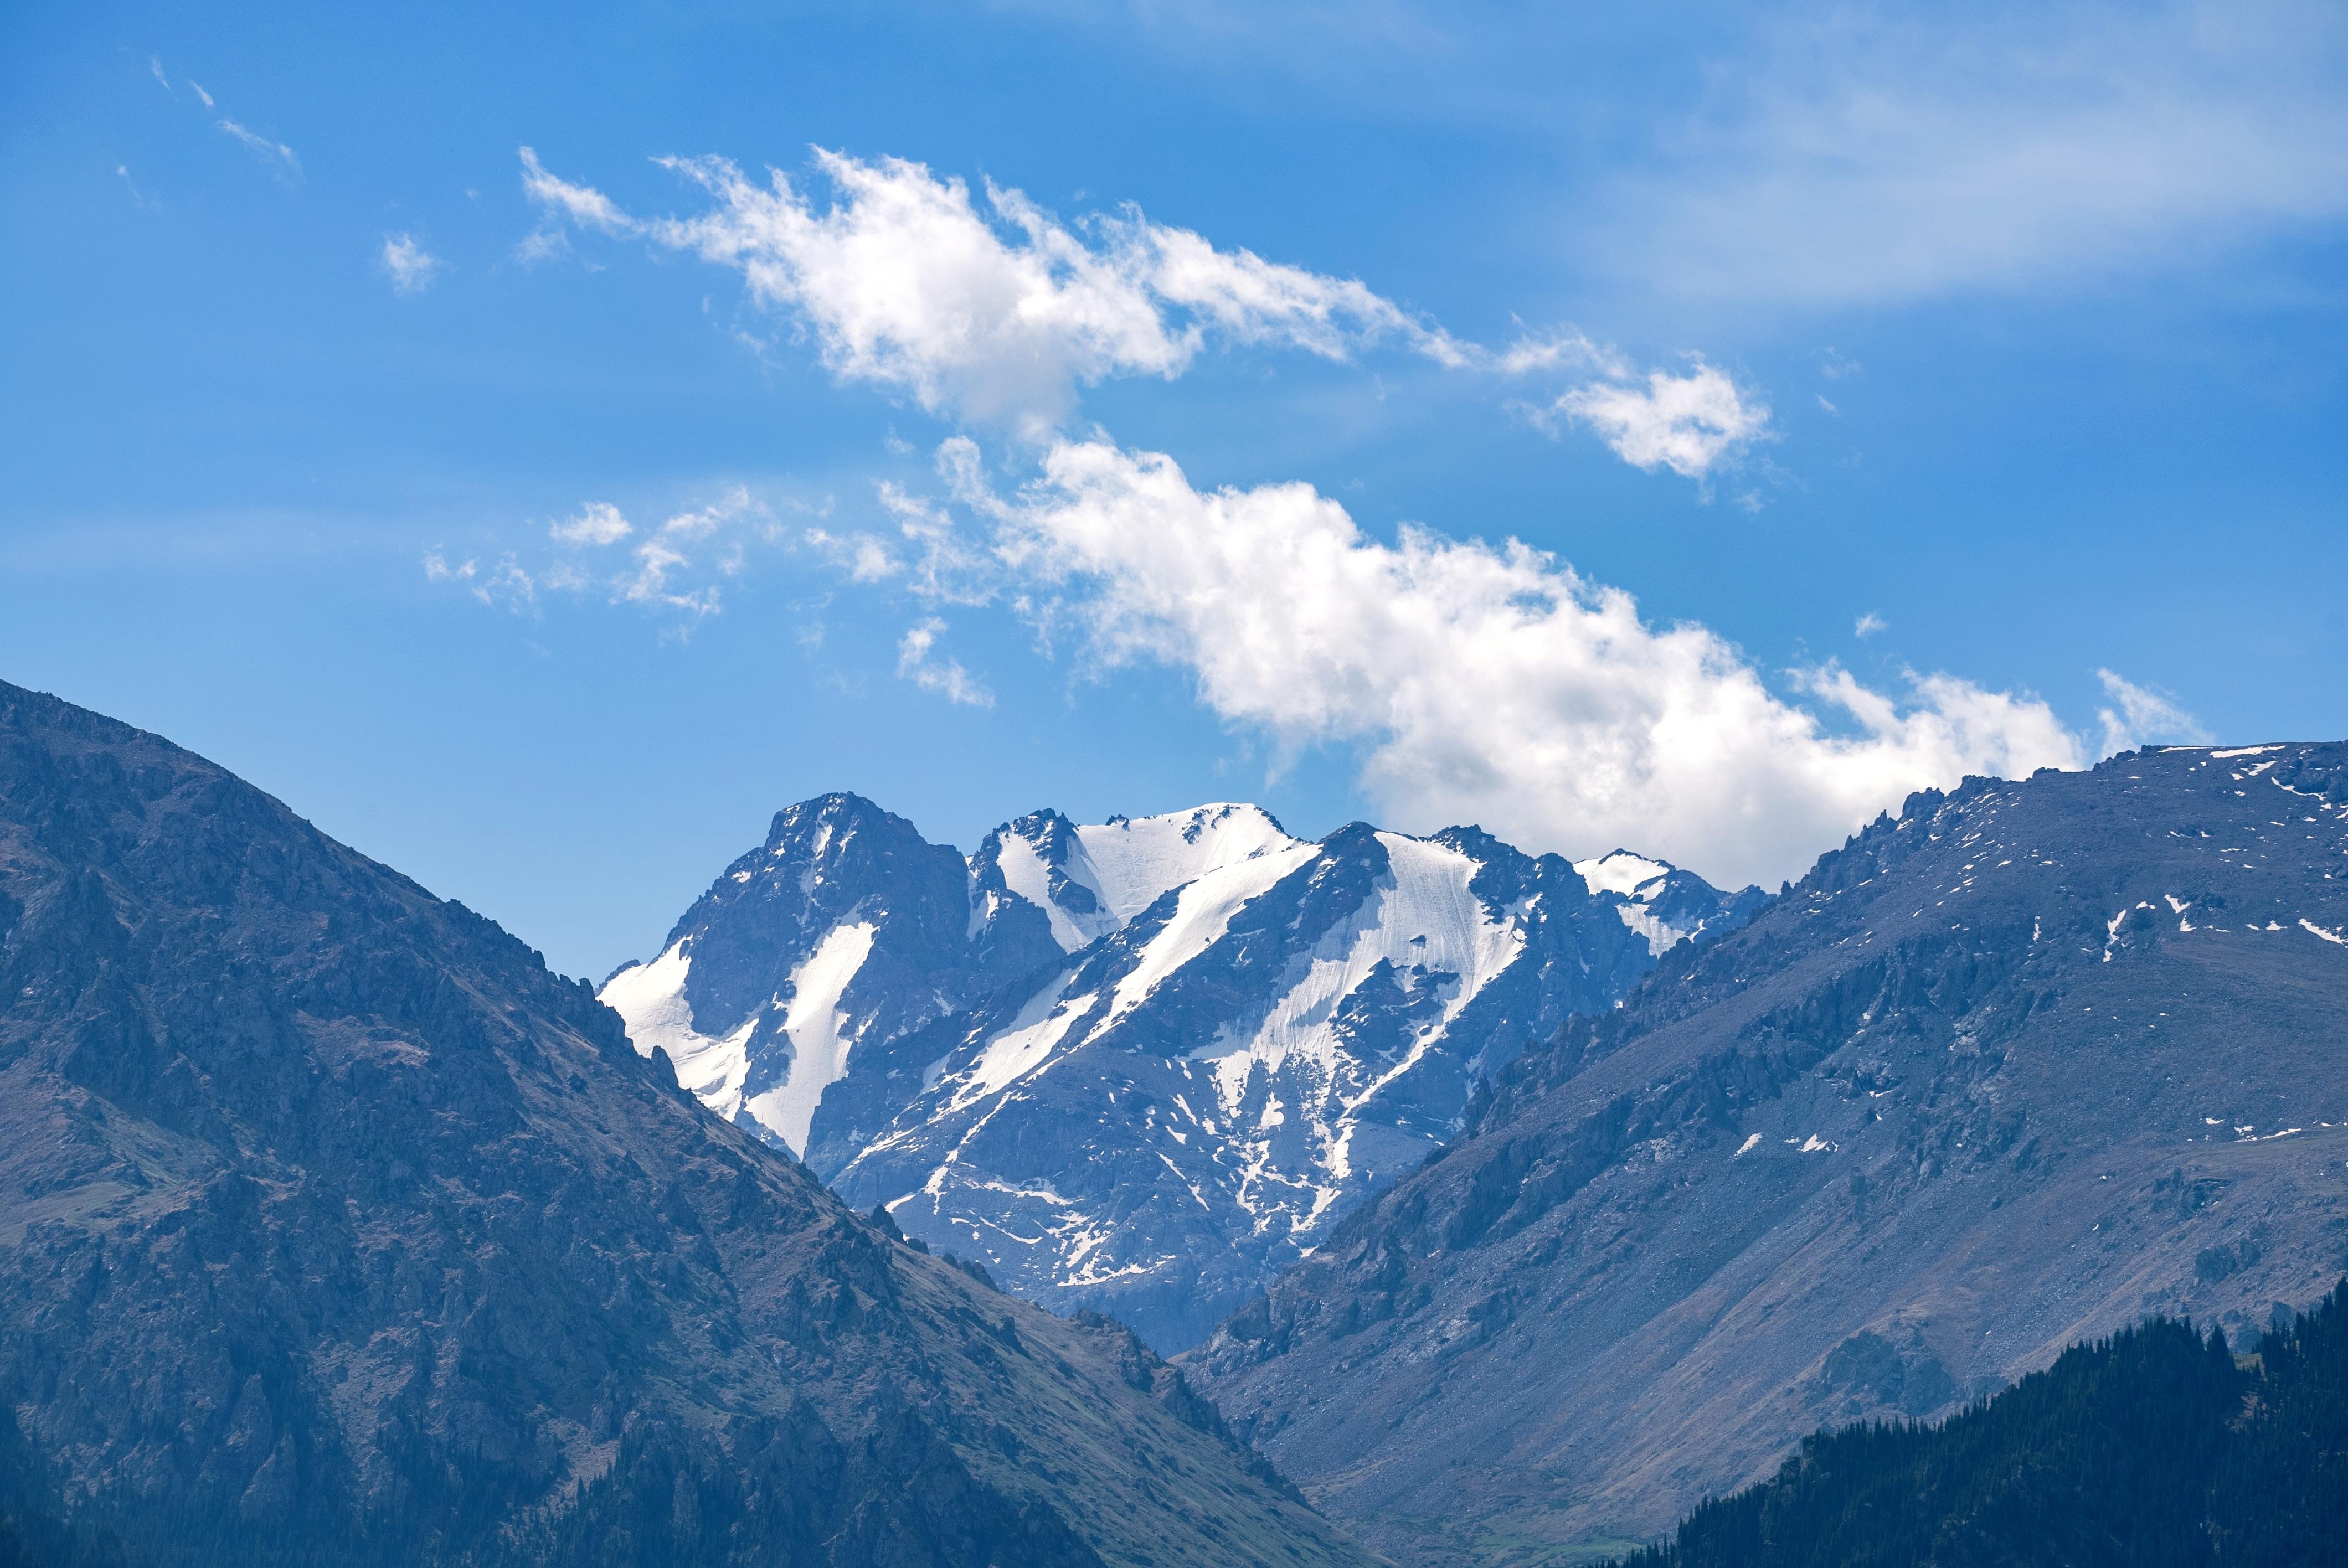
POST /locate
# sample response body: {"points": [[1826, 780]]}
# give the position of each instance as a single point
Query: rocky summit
{"points": [[2020, 1067], [1135, 1066], [335, 1229]]}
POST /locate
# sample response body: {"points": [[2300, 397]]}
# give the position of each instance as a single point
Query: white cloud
{"points": [[506, 583], [999, 312], [948, 679], [598, 523], [438, 570], [203, 97], [995, 314], [1690, 423], [676, 568], [137, 197], [1877, 155], [408, 264], [1868, 625], [2143, 716], [589, 209], [1486, 684], [691, 545], [275, 154]]}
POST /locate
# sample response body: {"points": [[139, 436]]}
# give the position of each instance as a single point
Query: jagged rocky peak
{"points": [[1242, 1031], [1090, 879], [1663, 903], [844, 922], [1273, 1041]]}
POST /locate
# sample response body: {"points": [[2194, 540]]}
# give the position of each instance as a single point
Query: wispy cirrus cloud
{"points": [[2140, 715], [1864, 155], [1821, 153], [946, 677], [676, 568], [279, 160]]}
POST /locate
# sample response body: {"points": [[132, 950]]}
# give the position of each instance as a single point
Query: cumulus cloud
{"points": [[995, 312], [410, 267], [947, 677], [998, 313], [2139, 716], [1868, 625], [1691, 424], [598, 523], [1486, 684]]}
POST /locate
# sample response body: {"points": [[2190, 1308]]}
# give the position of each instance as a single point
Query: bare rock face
{"points": [[2019, 1069], [333, 1228]]}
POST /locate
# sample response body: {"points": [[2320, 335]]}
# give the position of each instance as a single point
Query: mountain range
{"points": [[1502, 1208], [2016, 1068], [1137, 1066]]}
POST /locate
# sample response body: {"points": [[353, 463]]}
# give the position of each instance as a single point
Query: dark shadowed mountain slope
{"points": [[335, 1229], [2154, 1449], [2019, 1069]]}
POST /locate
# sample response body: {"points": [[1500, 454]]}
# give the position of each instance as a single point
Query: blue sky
{"points": [[2012, 335]]}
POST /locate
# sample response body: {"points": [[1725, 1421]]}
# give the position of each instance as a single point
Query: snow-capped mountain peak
{"points": [[839, 925], [1663, 903], [1090, 879], [1137, 1064], [1620, 871]]}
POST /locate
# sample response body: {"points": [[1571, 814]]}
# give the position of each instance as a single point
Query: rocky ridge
{"points": [[2015, 1068], [333, 1228]]}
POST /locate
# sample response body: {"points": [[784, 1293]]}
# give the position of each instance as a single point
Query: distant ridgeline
{"points": [[2153, 1448]]}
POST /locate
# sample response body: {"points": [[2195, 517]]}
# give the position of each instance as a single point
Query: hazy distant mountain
{"points": [[2032, 1061], [333, 1229], [1138, 1065]]}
